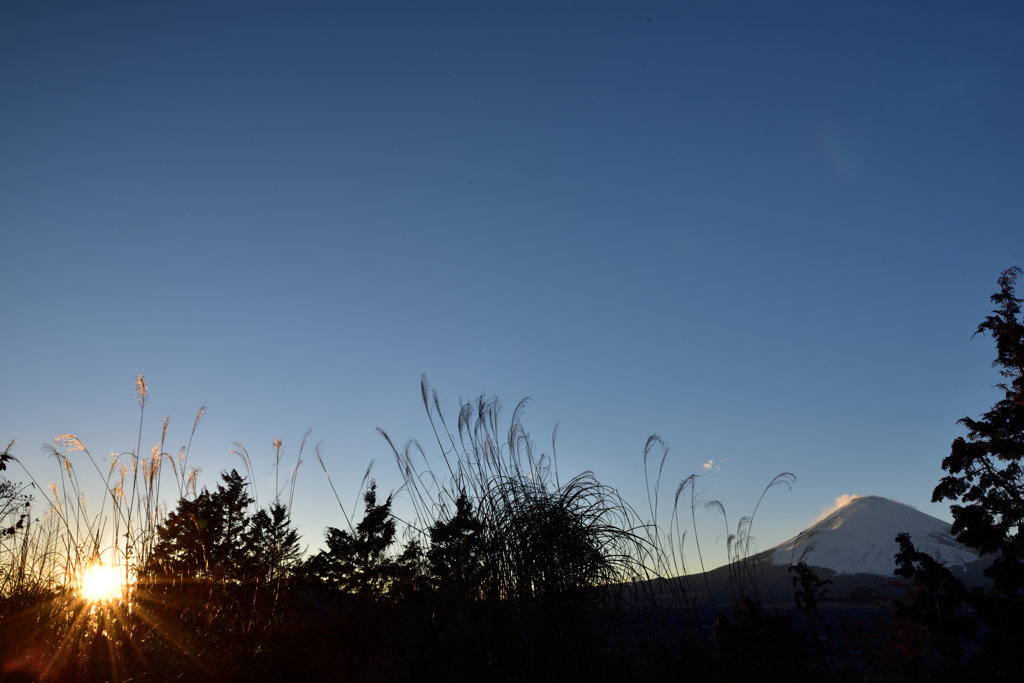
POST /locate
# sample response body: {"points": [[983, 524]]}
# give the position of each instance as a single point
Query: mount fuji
{"points": [[854, 548], [860, 538]]}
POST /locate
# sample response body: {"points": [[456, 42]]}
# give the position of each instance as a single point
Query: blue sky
{"points": [[764, 233]]}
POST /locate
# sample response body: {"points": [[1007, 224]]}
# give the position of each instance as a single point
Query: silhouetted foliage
{"points": [[15, 530], [272, 544], [358, 562], [986, 480], [757, 645], [936, 594], [456, 555], [6, 455], [810, 591], [206, 537]]}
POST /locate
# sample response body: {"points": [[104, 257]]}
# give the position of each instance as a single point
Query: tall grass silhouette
{"points": [[486, 563], [541, 535]]}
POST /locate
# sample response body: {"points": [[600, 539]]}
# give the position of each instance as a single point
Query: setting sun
{"points": [[101, 582]]}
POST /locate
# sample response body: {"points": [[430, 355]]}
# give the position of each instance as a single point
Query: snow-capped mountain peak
{"points": [[860, 537]]}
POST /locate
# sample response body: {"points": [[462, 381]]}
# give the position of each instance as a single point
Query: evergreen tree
{"points": [[456, 553], [273, 544], [206, 537], [358, 562], [231, 503], [183, 539]]}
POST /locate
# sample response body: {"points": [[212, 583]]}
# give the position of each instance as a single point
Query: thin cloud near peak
{"points": [[839, 502]]}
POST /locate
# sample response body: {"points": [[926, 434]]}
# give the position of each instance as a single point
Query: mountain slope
{"points": [[860, 537]]}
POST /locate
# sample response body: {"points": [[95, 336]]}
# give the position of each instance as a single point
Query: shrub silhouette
{"points": [[810, 591], [936, 595]]}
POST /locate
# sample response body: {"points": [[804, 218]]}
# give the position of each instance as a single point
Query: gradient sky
{"points": [[764, 233]]}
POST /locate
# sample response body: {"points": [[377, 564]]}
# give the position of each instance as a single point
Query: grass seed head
{"points": [[140, 389], [69, 442]]}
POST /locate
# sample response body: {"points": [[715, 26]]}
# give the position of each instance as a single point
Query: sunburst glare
{"points": [[101, 582]]}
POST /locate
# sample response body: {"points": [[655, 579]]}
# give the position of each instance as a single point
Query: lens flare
{"points": [[101, 582]]}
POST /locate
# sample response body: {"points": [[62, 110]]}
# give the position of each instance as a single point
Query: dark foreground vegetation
{"points": [[501, 571]]}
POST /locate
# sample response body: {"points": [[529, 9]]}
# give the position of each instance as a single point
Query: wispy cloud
{"points": [[839, 502], [711, 466]]}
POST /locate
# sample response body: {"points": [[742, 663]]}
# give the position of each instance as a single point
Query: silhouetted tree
{"points": [[936, 594], [985, 476], [455, 557], [230, 505], [272, 544], [206, 537], [358, 562]]}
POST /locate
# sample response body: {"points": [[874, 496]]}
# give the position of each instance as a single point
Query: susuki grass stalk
{"points": [[542, 537], [140, 389]]}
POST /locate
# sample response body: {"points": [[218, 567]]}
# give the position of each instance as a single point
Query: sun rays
{"points": [[102, 582]]}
